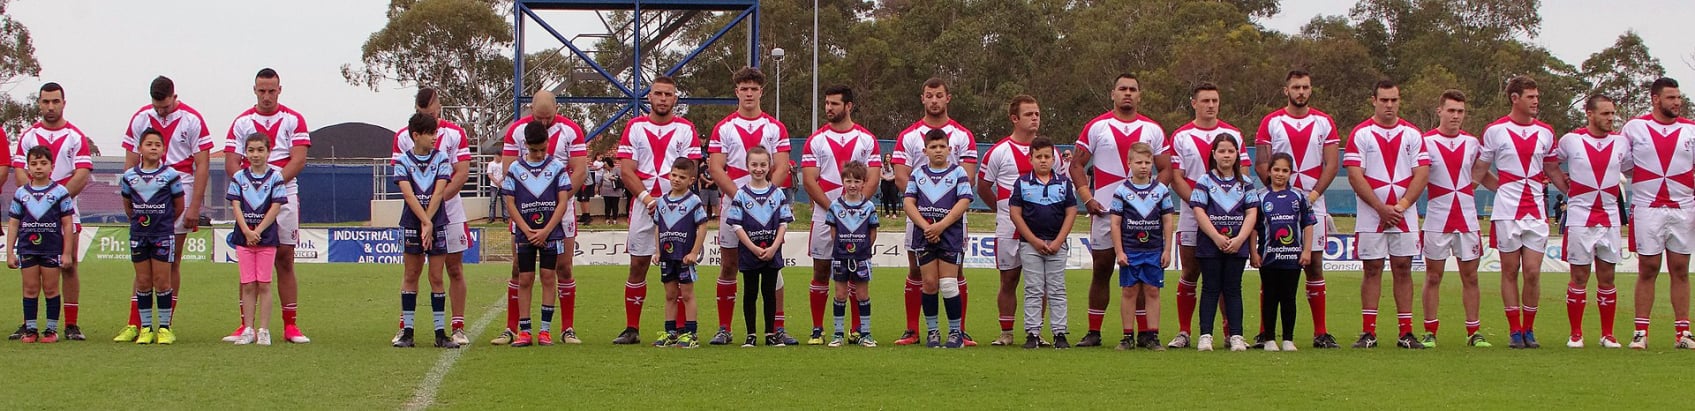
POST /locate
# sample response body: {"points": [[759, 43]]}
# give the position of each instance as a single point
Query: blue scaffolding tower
{"points": [[630, 95]]}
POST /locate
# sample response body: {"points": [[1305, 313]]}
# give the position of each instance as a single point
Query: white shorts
{"points": [[726, 235], [1320, 232], [643, 239], [1442, 246], [1007, 240], [1378, 246], [1187, 238], [1655, 231], [187, 191], [1100, 226], [458, 237], [1583, 245], [288, 221], [821, 242], [1186, 220], [1512, 235]]}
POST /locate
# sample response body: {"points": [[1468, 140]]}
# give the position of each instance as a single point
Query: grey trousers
{"points": [[1044, 280]]}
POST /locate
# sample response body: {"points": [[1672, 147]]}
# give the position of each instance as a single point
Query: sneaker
{"points": [[1409, 341], [1238, 344], [721, 338], [934, 339], [1270, 346], [835, 340], [404, 340], [1607, 341], [1127, 343], [771, 340], [523, 339], [1516, 341], [1476, 340], [1639, 340], [49, 336], [263, 337], [1367, 340], [1530, 340], [752, 340], [1204, 343], [1325, 341], [956, 339], [1429, 340], [144, 337], [1180, 341], [966, 339], [1685, 340], [444, 341], [1004, 339], [1092, 339], [817, 337], [908, 337], [29, 336], [19, 334], [397, 334], [245, 338], [1576, 341], [128, 334], [1288, 345], [235, 336], [688, 340], [1151, 341], [74, 333], [1259, 342], [1032, 341], [665, 339], [1043, 342], [853, 337], [164, 337], [628, 336], [1059, 342], [293, 335], [786, 339], [866, 341], [504, 338], [544, 338], [569, 336], [460, 339]]}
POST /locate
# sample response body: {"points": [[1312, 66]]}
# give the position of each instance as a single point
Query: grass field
{"points": [[349, 311]]}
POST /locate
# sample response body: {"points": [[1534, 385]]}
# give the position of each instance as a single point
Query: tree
{"points": [[17, 62], [1623, 72]]}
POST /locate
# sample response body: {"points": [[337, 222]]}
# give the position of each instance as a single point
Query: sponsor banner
{"points": [[312, 246], [87, 243], [112, 243], [345, 245]]}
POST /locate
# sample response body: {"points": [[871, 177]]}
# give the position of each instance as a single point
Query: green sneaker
{"points": [[164, 336], [144, 337], [1429, 340], [128, 334], [687, 340], [1476, 340]]}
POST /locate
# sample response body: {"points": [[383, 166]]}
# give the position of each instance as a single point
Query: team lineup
{"points": [[1192, 197]]}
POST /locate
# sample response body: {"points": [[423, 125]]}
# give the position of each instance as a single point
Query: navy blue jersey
{"points": [[537, 190], [759, 214], [1283, 214], [422, 173], [1142, 210], [39, 211], [1043, 205], [255, 195], [1226, 203], [679, 220], [152, 196], [852, 224], [937, 192]]}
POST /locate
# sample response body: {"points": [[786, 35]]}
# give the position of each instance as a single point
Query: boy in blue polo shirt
{"points": [[1042, 207]]}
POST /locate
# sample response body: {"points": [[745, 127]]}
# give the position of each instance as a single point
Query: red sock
{"points": [[512, 306], [1681, 326], [568, 304], [1315, 298], [1430, 326], [458, 322], [1642, 324], [1529, 313], [1141, 321], [1095, 317], [853, 310], [1606, 302], [914, 293], [634, 295], [1513, 324], [964, 299], [288, 311], [1185, 304], [1471, 327], [1128, 331], [70, 313], [1006, 323], [1368, 321], [726, 302], [1575, 302], [134, 312], [778, 321], [1403, 322], [818, 292]]}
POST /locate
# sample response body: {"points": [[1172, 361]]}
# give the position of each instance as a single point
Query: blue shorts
{"points": [[152, 247], [44, 261], [676, 272], [414, 243], [928, 255], [1143, 269], [844, 270]]}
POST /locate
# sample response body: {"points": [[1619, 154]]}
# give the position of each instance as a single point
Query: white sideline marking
{"points": [[425, 395]]}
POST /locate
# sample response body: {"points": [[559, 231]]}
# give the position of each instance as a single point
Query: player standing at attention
{"points": [[1518, 145], [43, 226], [1595, 158], [567, 144], [187, 141], [1104, 144], [760, 214], [71, 166], [648, 151], [1043, 205], [289, 141], [1388, 169], [422, 174], [1662, 203], [453, 143], [727, 157], [962, 151], [936, 202], [853, 222], [1285, 223], [1309, 136], [1191, 149], [257, 194], [1226, 208], [152, 200], [839, 142], [536, 190], [680, 219], [1144, 214], [1002, 167], [1450, 220]]}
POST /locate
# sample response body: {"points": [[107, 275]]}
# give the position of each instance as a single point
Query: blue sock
{"points": [[165, 304], [546, 317], [671, 326], [690, 327], [524, 324], [839, 309], [437, 303], [930, 303], [31, 306], [53, 312], [865, 316], [953, 313], [144, 304], [408, 308]]}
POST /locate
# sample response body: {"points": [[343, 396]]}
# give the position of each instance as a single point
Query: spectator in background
{"points": [[707, 190], [611, 188], [493, 175], [587, 192], [890, 193], [788, 184]]}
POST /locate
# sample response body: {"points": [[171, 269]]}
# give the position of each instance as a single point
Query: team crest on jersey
{"points": [[1225, 230], [1143, 236], [536, 218], [1285, 235], [851, 247], [144, 220], [35, 238]]}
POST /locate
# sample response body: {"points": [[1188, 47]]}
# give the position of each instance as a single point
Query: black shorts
{"points": [[849, 270], [676, 272], [152, 247], [585, 194], [548, 255], [45, 261], [414, 244], [928, 255]]}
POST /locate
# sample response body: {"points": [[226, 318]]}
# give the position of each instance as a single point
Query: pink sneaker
{"points": [[293, 335], [234, 336]]}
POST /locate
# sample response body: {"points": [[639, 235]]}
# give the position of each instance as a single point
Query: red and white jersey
{"points": [[565, 139], [185, 134], [1191, 145], [909, 145], [68, 144], [1386, 157], [1304, 138], [451, 141], [1007, 160], [1662, 162], [735, 134], [286, 127], [1518, 151], [829, 150], [1595, 166], [1453, 195], [1108, 141], [655, 146]]}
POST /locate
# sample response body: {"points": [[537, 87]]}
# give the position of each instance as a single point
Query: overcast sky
{"points": [[106, 52]]}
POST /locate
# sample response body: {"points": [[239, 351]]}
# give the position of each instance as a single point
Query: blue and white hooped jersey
{"points": [[40, 212], [537, 189], [256, 194], [760, 214], [853, 224], [152, 196], [422, 173], [1226, 203], [1142, 210], [937, 192], [679, 221]]}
